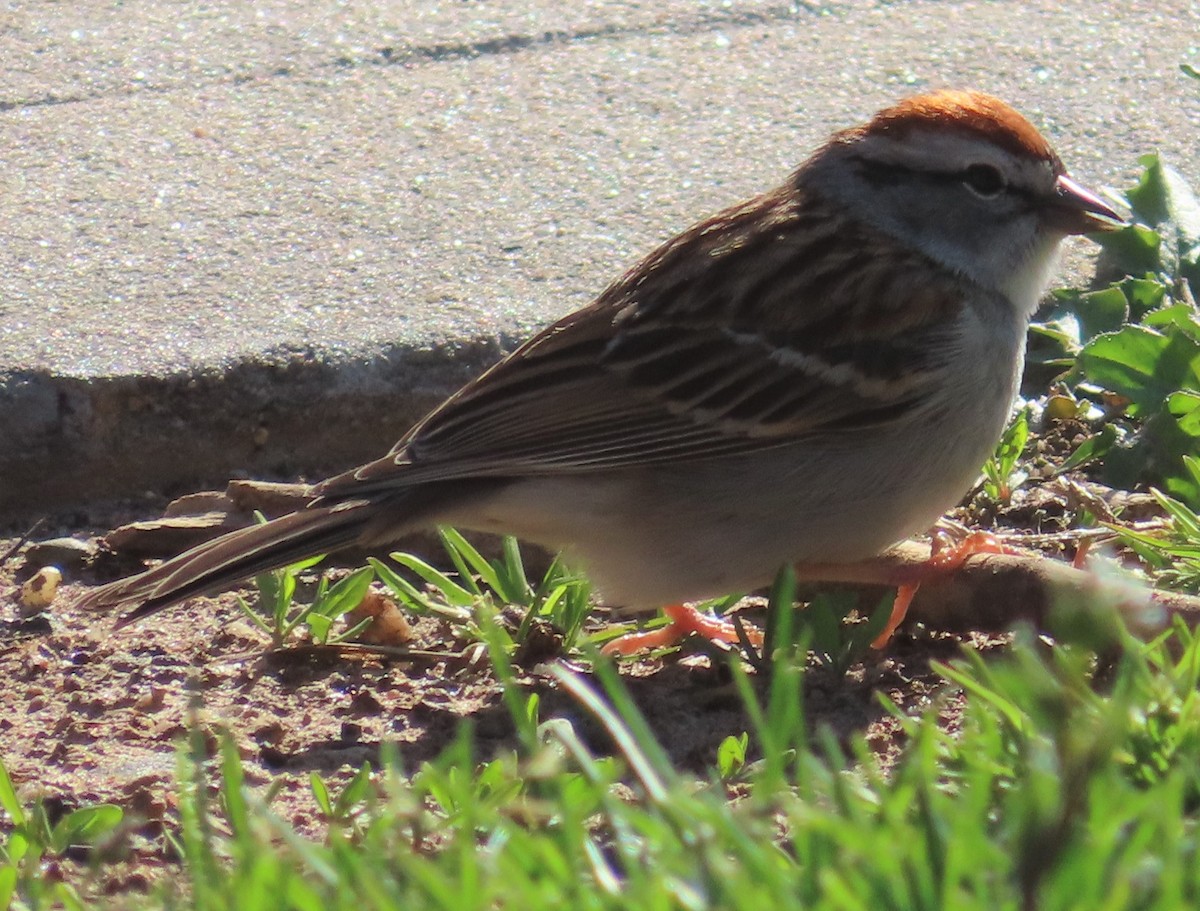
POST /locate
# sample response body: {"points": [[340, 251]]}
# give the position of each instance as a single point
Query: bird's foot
{"points": [[684, 620], [946, 556]]}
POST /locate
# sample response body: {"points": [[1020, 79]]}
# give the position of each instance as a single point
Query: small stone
{"points": [[197, 503], [66, 553]]}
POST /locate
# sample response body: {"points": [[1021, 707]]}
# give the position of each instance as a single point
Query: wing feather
{"points": [[731, 338]]}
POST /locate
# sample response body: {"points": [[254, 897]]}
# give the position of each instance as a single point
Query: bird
{"points": [[805, 378]]}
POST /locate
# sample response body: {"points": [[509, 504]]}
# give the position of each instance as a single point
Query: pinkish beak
{"points": [[1075, 210]]}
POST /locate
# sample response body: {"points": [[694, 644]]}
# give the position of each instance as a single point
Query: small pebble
{"points": [[65, 553]]}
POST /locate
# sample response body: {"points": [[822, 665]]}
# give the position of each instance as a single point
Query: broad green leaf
{"points": [[1142, 365], [1132, 250], [1100, 311], [1181, 317], [1055, 343], [1143, 294], [1183, 209], [1150, 196], [731, 754], [319, 626], [1185, 406], [1162, 200]]}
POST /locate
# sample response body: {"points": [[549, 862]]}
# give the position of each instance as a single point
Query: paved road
{"points": [[262, 238]]}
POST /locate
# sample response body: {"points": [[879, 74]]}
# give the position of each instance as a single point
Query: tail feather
{"points": [[217, 564]]}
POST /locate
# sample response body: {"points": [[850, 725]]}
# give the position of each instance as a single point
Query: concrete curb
{"points": [[280, 414]]}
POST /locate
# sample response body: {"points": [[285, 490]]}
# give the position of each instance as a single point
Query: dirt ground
{"points": [[94, 716]]}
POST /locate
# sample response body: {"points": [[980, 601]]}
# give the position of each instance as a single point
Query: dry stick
{"points": [[8, 554], [991, 592]]}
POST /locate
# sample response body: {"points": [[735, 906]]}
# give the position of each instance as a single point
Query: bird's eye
{"points": [[983, 180]]}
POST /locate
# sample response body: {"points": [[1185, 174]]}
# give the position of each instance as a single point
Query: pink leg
{"points": [[684, 620], [944, 559]]}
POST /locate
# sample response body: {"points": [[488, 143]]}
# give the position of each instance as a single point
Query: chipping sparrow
{"points": [[810, 377]]}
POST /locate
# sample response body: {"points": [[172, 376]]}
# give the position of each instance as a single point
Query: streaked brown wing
{"points": [[733, 337]]}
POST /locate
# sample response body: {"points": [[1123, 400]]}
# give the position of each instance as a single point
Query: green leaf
{"points": [[464, 555], [319, 626], [1150, 196], [1143, 294], [1094, 447], [1055, 337], [1185, 406], [1180, 316], [1132, 250], [414, 599], [232, 792], [532, 707], [69, 898], [1143, 365], [1000, 472], [731, 754], [17, 846], [321, 794], [515, 587], [8, 798], [1183, 209], [1013, 441], [8, 885], [1162, 200], [346, 595], [253, 616], [354, 792], [1100, 311], [1186, 521], [974, 687], [84, 826], [449, 589]]}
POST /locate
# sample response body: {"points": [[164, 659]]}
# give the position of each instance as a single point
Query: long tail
{"points": [[219, 563]]}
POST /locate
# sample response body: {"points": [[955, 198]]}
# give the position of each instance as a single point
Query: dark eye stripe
{"points": [[879, 174]]}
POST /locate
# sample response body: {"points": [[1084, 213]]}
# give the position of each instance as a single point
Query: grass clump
{"points": [[1071, 783]]}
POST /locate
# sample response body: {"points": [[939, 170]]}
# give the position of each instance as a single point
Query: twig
{"points": [[991, 592], [8, 554], [347, 649]]}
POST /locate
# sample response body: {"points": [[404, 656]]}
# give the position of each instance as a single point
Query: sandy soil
{"points": [[91, 716]]}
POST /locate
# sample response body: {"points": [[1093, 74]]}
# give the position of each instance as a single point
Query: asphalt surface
{"points": [[261, 239]]}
